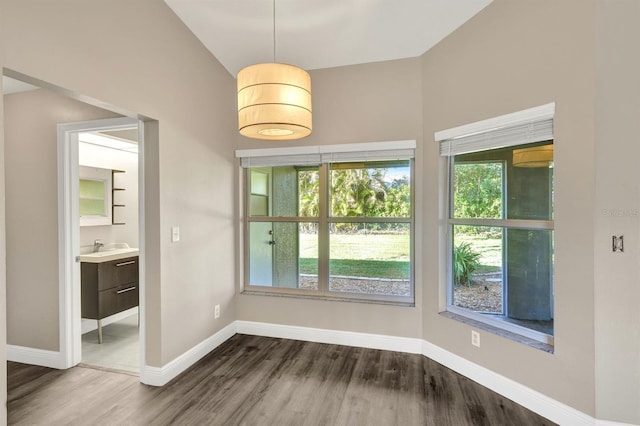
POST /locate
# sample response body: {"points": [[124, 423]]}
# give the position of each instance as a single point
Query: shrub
{"points": [[465, 262]]}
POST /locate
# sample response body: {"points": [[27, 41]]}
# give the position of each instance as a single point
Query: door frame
{"points": [[69, 234]]}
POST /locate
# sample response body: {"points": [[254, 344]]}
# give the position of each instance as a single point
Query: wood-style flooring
{"points": [[252, 380]]}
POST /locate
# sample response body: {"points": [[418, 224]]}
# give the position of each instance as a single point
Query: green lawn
{"points": [[359, 255], [384, 255], [359, 268], [360, 246], [490, 250]]}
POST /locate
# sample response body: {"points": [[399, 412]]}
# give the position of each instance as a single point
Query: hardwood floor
{"points": [[253, 380]]}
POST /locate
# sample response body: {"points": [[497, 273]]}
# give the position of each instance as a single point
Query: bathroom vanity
{"points": [[109, 284]]}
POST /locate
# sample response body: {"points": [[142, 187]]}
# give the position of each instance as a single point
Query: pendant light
{"points": [[274, 100], [539, 156]]}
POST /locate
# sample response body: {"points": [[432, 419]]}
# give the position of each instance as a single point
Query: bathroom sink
{"points": [[111, 252]]}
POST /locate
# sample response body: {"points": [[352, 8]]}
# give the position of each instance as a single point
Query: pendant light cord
{"points": [[274, 31]]}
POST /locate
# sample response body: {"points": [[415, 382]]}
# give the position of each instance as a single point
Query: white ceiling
{"points": [[314, 34]]}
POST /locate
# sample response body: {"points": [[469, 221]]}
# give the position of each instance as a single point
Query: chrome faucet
{"points": [[97, 244]]}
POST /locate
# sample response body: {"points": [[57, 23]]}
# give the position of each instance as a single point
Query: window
{"points": [[333, 225], [500, 226]]}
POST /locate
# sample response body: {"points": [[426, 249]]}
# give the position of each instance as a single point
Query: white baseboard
{"points": [[160, 376], [533, 400], [88, 325], [41, 357], [335, 337]]}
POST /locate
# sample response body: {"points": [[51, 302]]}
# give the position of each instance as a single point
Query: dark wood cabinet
{"points": [[108, 288]]}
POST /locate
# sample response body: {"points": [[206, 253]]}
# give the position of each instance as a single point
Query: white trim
{"points": [[335, 337], [539, 113], [142, 276], [34, 356], [535, 401], [160, 376], [502, 325], [67, 240], [90, 325], [69, 233], [326, 149], [608, 423]]}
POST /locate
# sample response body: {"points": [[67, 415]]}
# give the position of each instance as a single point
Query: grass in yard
{"points": [[484, 269], [359, 255], [490, 250], [359, 268], [359, 246], [385, 255]]}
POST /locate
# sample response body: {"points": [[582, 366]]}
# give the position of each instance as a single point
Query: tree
{"points": [[399, 198], [309, 181], [478, 190], [357, 191]]}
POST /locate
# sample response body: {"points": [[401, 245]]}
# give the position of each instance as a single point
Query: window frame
{"points": [[532, 125], [323, 221], [504, 225]]}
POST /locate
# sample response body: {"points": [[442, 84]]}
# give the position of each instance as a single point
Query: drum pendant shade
{"points": [[539, 156], [274, 102]]}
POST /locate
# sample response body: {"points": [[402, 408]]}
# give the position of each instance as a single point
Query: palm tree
{"points": [[356, 191]]}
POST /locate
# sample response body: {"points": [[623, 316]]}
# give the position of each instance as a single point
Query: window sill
{"points": [[328, 298], [546, 347]]}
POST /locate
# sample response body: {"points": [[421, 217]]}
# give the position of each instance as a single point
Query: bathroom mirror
{"points": [[95, 196]]}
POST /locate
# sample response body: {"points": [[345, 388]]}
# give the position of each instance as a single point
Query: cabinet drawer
{"points": [[117, 273], [118, 299]]}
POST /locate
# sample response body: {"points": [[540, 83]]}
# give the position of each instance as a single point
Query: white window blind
{"points": [[307, 155], [522, 127]]}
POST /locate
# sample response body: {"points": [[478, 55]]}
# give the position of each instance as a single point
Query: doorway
{"points": [[109, 248], [45, 330], [99, 191]]}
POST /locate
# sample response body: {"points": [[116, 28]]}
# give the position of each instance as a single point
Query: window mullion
{"points": [[323, 230], [532, 224]]}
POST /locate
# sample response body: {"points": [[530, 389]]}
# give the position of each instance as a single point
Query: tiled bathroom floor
{"points": [[119, 349]]}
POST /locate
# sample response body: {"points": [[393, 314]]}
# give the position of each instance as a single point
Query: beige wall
{"points": [[3, 272], [512, 56], [362, 103], [617, 211], [139, 57], [31, 192]]}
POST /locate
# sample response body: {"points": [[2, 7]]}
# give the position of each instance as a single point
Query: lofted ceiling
{"points": [[314, 34]]}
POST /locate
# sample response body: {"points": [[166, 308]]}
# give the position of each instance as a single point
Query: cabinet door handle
{"points": [[124, 290], [131, 262]]}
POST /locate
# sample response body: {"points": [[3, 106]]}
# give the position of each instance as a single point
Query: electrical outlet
{"points": [[475, 338], [216, 311]]}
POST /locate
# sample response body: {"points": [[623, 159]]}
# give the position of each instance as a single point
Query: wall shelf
{"points": [[115, 189]]}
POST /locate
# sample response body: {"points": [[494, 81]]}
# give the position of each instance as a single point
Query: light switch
{"points": [[175, 234], [617, 243]]}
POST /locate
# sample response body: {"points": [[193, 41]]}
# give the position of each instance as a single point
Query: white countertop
{"points": [[108, 255]]}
